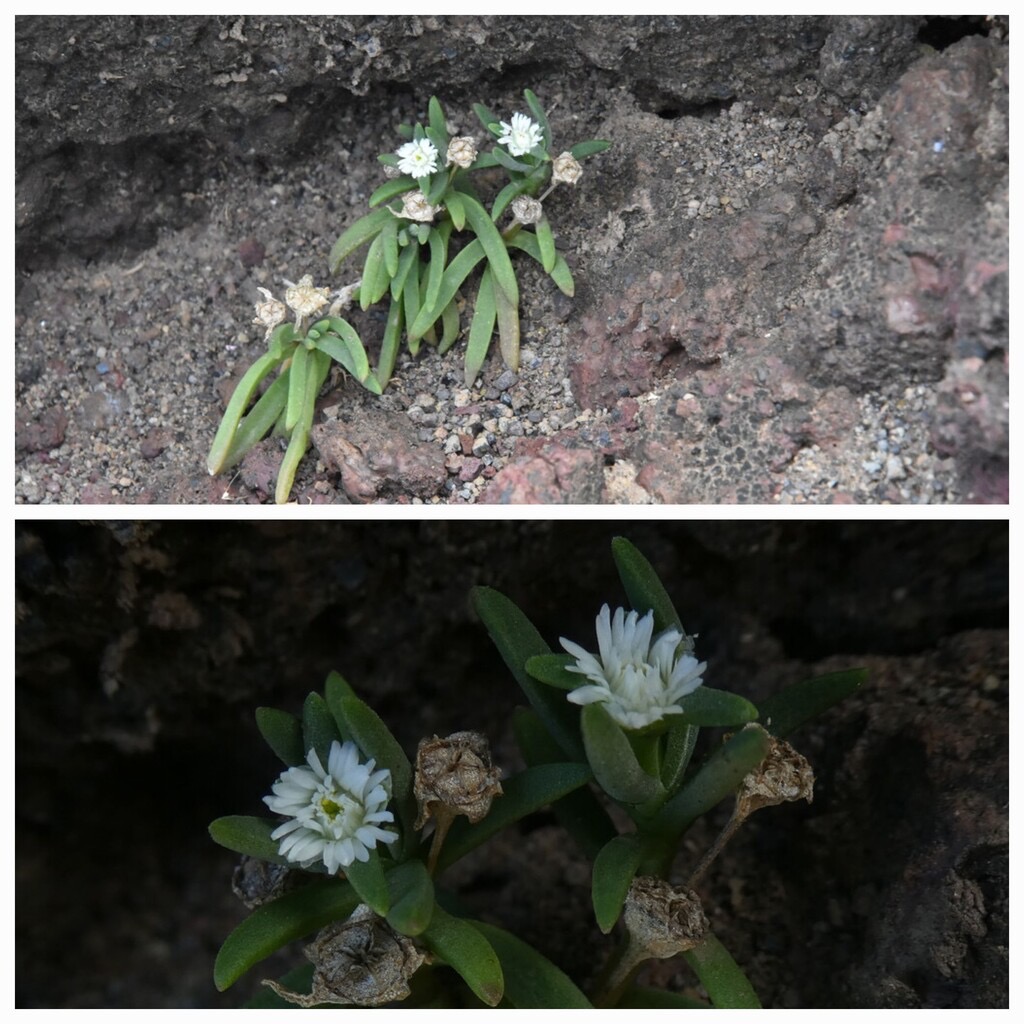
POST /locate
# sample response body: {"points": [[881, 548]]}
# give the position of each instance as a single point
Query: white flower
{"points": [[335, 814], [461, 151], [639, 680], [417, 158], [416, 207], [521, 135], [304, 299], [527, 210], [566, 168]]}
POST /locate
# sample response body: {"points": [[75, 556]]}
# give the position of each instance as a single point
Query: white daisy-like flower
{"points": [[335, 815], [638, 678], [417, 158], [521, 135]]}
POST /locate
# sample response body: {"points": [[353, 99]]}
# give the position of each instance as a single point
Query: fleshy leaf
{"points": [[318, 728], [532, 981], [481, 327], [785, 712], [643, 588], [249, 835], [579, 811], [719, 777], [589, 148], [517, 641], [614, 868], [271, 926], [367, 878], [463, 947], [706, 706], [552, 670], [680, 739], [494, 246], [726, 985], [359, 234], [613, 759], [412, 897], [283, 733], [523, 794]]}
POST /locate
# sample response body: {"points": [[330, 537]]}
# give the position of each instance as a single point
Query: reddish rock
{"points": [[42, 434], [556, 475], [154, 443], [380, 457]]}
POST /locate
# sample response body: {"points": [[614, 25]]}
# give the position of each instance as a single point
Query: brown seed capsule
{"points": [[663, 919], [783, 775], [455, 775], [359, 962], [256, 882]]}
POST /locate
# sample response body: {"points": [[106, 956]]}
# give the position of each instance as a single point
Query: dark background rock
{"points": [[142, 650]]}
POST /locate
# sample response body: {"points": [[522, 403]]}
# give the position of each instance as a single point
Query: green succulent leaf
{"points": [[336, 688], [271, 926], [375, 280], [283, 733], [546, 244], [589, 148], [532, 981], [296, 387], [464, 948], [523, 794], [614, 869], [639, 997], [481, 328], [539, 116], [706, 706], [389, 245], [785, 712], [391, 341], [411, 302], [240, 398], [718, 778], [488, 119], [407, 261], [319, 730], [455, 273], [726, 985], [456, 210], [616, 768], [508, 329], [680, 739], [438, 257], [527, 242], [494, 247], [509, 162], [553, 670], [405, 131], [391, 189], [506, 195], [412, 897], [435, 115], [517, 641], [358, 234], [346, 347], [249, 835], [579, 811], [450, 330], [367, 878], [643, 588], [260, 421]]}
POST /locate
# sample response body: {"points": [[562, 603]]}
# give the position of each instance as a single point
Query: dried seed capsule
{"points": [[527, 210], [566, 168], [663, 919], [256, 882], [455, 775], [783, 775], [359, 962]]}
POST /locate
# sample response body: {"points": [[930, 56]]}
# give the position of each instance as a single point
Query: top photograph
{"points": [[451, 260]]}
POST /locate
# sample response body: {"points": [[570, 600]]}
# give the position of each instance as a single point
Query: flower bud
{"points": [[455, 775], [461, 151], [566, 169], [359, 962], [663, 919], [527, 210]]}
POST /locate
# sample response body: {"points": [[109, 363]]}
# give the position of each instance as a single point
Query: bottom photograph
{"points": [[525, 764]]}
